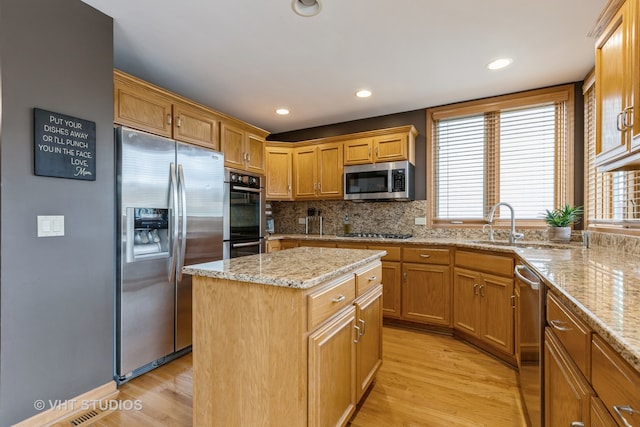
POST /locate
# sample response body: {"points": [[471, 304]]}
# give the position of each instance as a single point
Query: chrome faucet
{"points": [[513, 236]]}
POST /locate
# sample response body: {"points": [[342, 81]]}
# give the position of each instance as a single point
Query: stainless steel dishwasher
{"points": [[529, 315]]}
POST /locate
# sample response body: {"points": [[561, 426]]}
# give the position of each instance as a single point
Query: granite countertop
{"points": [[300, 268], [601, 285]]}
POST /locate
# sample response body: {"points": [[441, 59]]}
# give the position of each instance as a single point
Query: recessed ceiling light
{"points": [[282, 111], [364, 93], [306, 8], [499, 63]]}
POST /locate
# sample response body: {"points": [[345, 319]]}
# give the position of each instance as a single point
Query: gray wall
{"points": [[56, 293], [417, 118]]}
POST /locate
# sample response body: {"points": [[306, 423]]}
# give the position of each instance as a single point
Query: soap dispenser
{"points": [[347, 224]]}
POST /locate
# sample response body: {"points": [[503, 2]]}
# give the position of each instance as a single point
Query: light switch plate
{"points": [[50, 225], [301, 221]]}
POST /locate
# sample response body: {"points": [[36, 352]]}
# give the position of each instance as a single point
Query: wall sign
{"points": [[64, 146]]}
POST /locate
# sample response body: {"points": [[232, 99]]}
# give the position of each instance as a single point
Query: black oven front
{"points": [[244, 221]]}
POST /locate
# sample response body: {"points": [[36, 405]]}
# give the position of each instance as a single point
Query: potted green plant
{"points": [[559, 221]]}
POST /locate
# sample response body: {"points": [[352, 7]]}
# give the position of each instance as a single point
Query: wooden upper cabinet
{"points": [[242, 150], [617, 83], [146, 107], [279, 173], [386, 145], [194, 125], [141, 107], [304, 172], [317, 171]]}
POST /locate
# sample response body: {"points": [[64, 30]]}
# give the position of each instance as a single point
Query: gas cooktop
{"points": [[378, 235]]}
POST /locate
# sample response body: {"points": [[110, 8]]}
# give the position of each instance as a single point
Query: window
{"points": [[612, 198], [515, 149]]}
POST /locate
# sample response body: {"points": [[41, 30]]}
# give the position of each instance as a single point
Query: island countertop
{"points": [[300, 268]]}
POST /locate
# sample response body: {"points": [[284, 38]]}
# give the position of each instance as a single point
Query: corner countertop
{"points": [[300, 268], [601, 285]]}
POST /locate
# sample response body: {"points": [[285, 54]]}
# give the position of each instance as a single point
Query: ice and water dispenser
{"points": [[147, 233]]}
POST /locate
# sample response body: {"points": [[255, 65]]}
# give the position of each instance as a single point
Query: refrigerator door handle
{"points": [[183, 234], [173, 192]]}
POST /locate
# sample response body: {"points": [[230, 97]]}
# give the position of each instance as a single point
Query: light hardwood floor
{"points": [[425, 380]]}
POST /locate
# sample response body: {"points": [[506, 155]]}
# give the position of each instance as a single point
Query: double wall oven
{"points": [[244, 220]]}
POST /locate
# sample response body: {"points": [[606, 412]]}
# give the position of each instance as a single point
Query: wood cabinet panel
{"points": [[466, 294], [232, 144], [332, 371], [369, 346], [426, 293], [327, 301], [600, 417], [279, 176], [142, 108], [490, 263], [195, 126], [368, 278], [304, 172], [567, 392], [394, 253], [392, 289], [391, 148], [255, 161], [497, 312], [358, 151], [426, 255], [330, 171]]}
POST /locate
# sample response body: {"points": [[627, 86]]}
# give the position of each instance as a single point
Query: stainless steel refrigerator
{"points": [[169, 214]]}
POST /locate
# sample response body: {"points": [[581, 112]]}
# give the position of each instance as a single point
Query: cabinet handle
{"points": [[169, 119], [369, 152], [179, 123], [358, 334], [338, 299], [619, 119], [577, 424], [361, 321], [513, 302], [425, 256], [315, 186], [482, 291], [248, 157], [619, 409], [557, 324], [475, 288], [289, 188], [628, 112], [372, 278]]}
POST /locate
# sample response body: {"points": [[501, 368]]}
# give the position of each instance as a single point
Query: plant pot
{"points": [[559, 234]]}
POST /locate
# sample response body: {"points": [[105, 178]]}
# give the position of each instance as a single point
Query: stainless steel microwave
{"points": [[379, 181]]}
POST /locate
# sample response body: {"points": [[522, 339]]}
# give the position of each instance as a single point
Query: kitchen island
{"points": [[288, 338]]}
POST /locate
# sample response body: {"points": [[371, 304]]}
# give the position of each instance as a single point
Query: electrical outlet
{"points": [[421, 221], [301, 221]]}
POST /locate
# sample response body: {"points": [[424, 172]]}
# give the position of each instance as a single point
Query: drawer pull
{"points": [[373, 278], [619, 409], [361, 321], [577, 424], [475, 288], [425, 256], [557, 324], [339, 299]]}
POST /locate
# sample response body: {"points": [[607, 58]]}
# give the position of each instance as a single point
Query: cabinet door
{"points": [[369, 347], [358, 151], [566, 391], [426, 293], [390, 148], [195, 125], [142, 108], [255, 154], [232, 144], [600, 417], [330, 171], [391, 284], [612, 88], [332, 368], [466, 294], [279, 173], [497, 312], [304, 173]]}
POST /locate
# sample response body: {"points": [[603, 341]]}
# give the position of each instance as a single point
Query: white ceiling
{"points": [[247, 58]]}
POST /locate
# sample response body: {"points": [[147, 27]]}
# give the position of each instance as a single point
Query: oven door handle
{"points": [[248, 189], [245, 245]]}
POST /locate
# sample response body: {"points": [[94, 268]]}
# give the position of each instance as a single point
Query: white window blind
{"points": [[498, 156]]}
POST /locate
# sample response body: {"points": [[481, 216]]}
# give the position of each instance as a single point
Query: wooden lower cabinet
{"points": [[567, 392], [599, 415], [332, 371], [426, 293], [369, 345], [483, 308], [392, 289]]}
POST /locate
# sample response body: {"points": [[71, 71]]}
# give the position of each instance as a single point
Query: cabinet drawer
{"points": [[425, 255], [490, 263], [393, 252], [615, 381], [572, 332], [365, 279], [327, 301]]}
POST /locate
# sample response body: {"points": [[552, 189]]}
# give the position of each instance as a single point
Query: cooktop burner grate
{"points": [[379, 235]]}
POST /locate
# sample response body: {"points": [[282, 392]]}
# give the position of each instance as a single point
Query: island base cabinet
{"points": [[332, 371], [567, 393], [369, 346]]}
